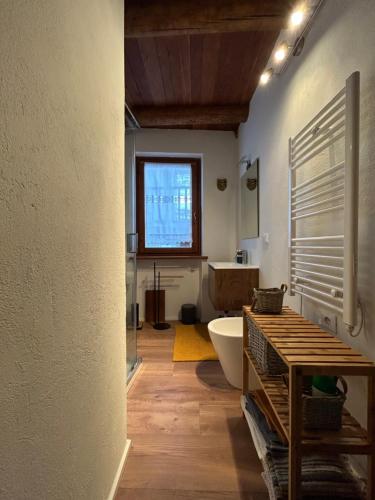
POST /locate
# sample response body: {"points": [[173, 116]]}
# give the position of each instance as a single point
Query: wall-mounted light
{"points": [[296, 17], [265, 76], [291, 39], [281, 52]]}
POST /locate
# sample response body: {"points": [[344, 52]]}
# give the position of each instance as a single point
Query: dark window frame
{"points": [[196, 249]]}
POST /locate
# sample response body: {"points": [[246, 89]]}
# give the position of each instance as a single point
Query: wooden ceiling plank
{"points": [[134, 63], [170, 17], [179, 60], [131, 90], [133, 93], [195, 116], [228, 88], [185, 69], [149, 55], [210, 62], [254, 65], [196, 51], [264, 41], [163, 49]]}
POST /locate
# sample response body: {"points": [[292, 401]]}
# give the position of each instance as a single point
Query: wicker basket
{"points": [[265, 355], [324, 412], [268, 300], [321, 412], [306, 383]]}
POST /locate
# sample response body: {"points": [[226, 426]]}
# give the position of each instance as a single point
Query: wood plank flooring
{"points": [[189, 439]]}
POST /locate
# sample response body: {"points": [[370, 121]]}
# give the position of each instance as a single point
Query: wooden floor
{"points": [[189, 439]]}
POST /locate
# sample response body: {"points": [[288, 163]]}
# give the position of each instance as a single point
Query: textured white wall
{"points": [[62, 301], [219, 159], [341, 41]]}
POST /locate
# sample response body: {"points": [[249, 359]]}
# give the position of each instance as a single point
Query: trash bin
{"points": [[188, 314]]}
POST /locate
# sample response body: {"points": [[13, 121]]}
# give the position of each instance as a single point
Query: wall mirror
{"points": [[249, 202]]}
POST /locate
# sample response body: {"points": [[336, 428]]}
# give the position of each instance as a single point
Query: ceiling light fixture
{"points": [[281, 52], [297, 17], [291, 39], [265, 76]]}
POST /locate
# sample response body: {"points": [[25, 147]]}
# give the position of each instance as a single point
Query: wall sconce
{"points": [[221, 184], [251, 184]]}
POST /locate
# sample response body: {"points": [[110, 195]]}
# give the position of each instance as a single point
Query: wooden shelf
{"points": [[301, 343], [308, 350], [352, 438]]}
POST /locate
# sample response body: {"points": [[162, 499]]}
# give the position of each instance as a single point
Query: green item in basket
{"points": [[325, 384]]}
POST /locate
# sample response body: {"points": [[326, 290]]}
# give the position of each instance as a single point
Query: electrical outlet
{"points": [[326, 321]]}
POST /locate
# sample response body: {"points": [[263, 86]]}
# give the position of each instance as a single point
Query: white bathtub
{"points": [[226, 336]]}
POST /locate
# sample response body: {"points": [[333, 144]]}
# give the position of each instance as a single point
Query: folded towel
{"points": [[271, 438], [322, 477]]}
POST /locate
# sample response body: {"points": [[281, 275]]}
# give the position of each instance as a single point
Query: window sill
{"points": [[171, 257]]}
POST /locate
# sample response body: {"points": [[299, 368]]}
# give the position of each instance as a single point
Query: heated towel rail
{"points": [[323, 205]]}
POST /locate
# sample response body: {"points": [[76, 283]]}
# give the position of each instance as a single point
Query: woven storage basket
{"points": [[265, 355], [321, 412], [324, 412], [268, 300]]}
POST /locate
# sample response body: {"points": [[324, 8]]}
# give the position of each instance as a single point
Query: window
{"points": [[168, 206]]}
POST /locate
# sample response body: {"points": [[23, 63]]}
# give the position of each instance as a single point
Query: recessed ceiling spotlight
{"points": [[296, 17], [281, 52], [265, 76]]}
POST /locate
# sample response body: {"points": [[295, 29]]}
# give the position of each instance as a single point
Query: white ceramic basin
{"points": [[226, 336], [231, 265]]}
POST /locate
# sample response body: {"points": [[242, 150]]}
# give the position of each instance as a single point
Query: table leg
{"points": [[295, 430], [371, 436]]}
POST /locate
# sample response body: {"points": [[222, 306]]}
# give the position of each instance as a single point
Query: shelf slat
{"points": [[277, 383], [320, 351], [311, 344], [311, 358]]}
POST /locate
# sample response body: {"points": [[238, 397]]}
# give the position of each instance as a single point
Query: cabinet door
{"points": [[212, 286], [230, 289]]}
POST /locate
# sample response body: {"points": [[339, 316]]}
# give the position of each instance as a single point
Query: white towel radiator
{"points": [[323, 256]]}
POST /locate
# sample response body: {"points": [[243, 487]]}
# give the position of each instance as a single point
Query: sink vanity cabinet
{"points": [[229, 284]]}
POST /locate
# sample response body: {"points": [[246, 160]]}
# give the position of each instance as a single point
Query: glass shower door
{"points": [[131, 257], [131, 304]]}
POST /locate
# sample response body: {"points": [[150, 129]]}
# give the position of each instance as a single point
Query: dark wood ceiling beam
{"points": [[188, 116], [144, 18]]}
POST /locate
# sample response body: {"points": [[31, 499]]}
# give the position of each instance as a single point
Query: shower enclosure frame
{"points": [[132, 358]]}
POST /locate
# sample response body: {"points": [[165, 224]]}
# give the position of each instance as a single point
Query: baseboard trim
{"points": [[120, 468], [137, 372]]}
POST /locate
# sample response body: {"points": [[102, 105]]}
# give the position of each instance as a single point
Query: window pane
{"points": [[168, 205]]}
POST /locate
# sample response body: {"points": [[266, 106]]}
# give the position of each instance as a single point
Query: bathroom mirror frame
{"points": [[245, 229]]}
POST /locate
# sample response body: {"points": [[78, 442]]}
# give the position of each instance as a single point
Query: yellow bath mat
{"points": [[193, 343]]}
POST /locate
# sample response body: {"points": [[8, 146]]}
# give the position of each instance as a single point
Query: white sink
{"points": [[231, 265]]}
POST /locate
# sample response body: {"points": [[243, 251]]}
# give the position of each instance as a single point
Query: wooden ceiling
{"points": [[196, 64]]}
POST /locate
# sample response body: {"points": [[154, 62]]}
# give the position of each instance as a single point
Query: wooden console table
{"points": [[307, 350]]}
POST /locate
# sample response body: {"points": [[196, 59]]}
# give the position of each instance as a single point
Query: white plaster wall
{"points": [[341, 41], [218, 151], [62, 300]]}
